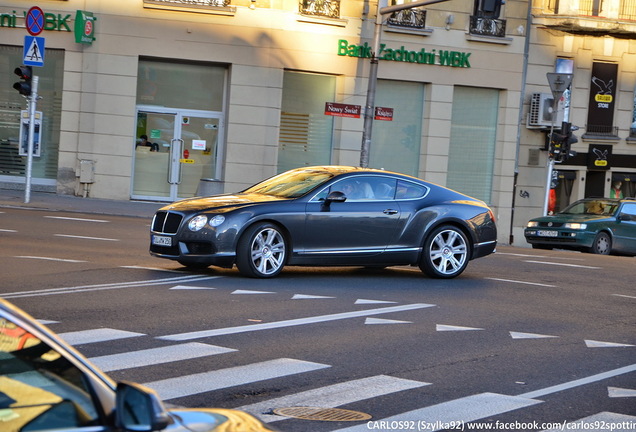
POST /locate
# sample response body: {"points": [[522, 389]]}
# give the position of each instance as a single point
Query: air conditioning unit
{"points": [[542, 111]]}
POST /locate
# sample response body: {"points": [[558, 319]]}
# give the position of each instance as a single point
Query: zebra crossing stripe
{"points": [[156, 356], [96, 335], [608, 419], [334, 395], [465, 410], [187, 385]]}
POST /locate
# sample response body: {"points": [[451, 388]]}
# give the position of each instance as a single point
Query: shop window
{"points": [[44, 168], [305, 131], [184, 85], [396, 144], [632, 128], [472, 145]]}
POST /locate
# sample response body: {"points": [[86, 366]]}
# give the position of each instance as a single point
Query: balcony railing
{"points": [[215, 3], [601, 130], [487, 26], [410, 18], [323, 8]]}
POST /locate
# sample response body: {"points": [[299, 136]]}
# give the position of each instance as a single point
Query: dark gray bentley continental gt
{"points": [[328, 216]]}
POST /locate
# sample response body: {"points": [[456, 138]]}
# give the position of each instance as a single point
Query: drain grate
{"points": [[323, 414]]}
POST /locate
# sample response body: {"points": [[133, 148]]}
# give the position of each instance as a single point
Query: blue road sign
{"points": [[33, 51], [34, 21]]}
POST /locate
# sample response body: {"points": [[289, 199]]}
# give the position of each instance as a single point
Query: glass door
{"points": [[174, 151]]}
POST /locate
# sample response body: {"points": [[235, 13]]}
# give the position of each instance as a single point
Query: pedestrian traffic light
{"points": [[24, 86]]}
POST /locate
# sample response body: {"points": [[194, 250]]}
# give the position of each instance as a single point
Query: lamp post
{"points": [[373, 71]]}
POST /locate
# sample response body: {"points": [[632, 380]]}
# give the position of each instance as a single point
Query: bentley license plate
{"points": [[161, 240], [547, 233]]}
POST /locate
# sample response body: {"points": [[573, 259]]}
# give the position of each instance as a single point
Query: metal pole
{"points": [[369, 112], [550, 167], [369, 109], [32, 103]]}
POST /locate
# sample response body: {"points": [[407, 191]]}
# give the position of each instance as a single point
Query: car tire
{"points": [[602, 244], [446, 252], [261, 251]]}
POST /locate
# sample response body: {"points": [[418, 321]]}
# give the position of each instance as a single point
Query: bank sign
{"points": [[84, 28], [433, 57]]}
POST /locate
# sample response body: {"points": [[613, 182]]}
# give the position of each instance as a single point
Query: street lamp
{"points": [[373, 71]]}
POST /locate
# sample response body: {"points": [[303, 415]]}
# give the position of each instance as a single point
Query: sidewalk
{"points": [[10, 198]]}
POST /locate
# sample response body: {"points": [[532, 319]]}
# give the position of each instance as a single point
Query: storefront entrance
{"points": [[181, 152]]}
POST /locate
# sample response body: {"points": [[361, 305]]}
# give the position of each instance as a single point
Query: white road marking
{"points": [[85, 237], [522, 282], [99, 287], [442, 327], [562, 264], [188, 287], [457, 411], [365, 301], [601, 344], [96, 335], [187, 385], [8, 230], [617, 392], [309, 297], [289, 323], [156, 356], [50, 259], [77, 219], [385, 321], [334, 395], [243, 292], [519, 335], [603, 420]]}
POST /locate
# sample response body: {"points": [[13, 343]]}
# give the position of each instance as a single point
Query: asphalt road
{"points": [[523, 338]]}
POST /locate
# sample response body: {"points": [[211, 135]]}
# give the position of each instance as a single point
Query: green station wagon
{"points": [[596, 225]]}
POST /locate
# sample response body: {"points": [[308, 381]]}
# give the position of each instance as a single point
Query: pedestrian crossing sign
{"points": [[33, 51]]}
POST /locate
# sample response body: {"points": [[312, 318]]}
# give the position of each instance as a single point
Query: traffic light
{"points": [[568, 140], [556, 145], [24, 85]]}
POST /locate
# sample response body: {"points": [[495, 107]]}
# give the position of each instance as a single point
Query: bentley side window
{"points": [[40, 390]]}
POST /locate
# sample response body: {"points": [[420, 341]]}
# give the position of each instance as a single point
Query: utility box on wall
{"points": [[87, 171]]}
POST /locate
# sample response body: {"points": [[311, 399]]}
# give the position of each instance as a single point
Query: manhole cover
{"points": [[324, 414]]}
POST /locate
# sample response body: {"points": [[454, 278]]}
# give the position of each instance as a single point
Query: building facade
{"points": [[226, 93], [594, 42]]}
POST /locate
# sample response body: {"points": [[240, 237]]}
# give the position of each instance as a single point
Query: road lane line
{"points": [[50, 259], [562, 264], [98, 287], [290, 323], [77, 219], [187, 385], [85, 237], [155, 356], [522, 282], [333, 395]]}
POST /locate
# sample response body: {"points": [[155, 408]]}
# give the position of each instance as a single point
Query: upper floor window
{"points": [[485, 20], [324, 8]]}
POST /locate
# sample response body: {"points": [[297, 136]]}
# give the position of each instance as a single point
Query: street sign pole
{"points": [[32, 101], [559, 83]]}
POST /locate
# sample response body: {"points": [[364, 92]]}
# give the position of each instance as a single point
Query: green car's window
{"points": [[40, 390], [630, 211]]}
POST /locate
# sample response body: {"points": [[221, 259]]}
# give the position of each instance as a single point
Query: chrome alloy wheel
{"points": [[262, 251], [268, 251], [445, 253]]}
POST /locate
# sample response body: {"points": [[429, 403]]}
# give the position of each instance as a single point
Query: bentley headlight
{"points": [[197, 222], [575, 225], [533, 224], [217, 220]]}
